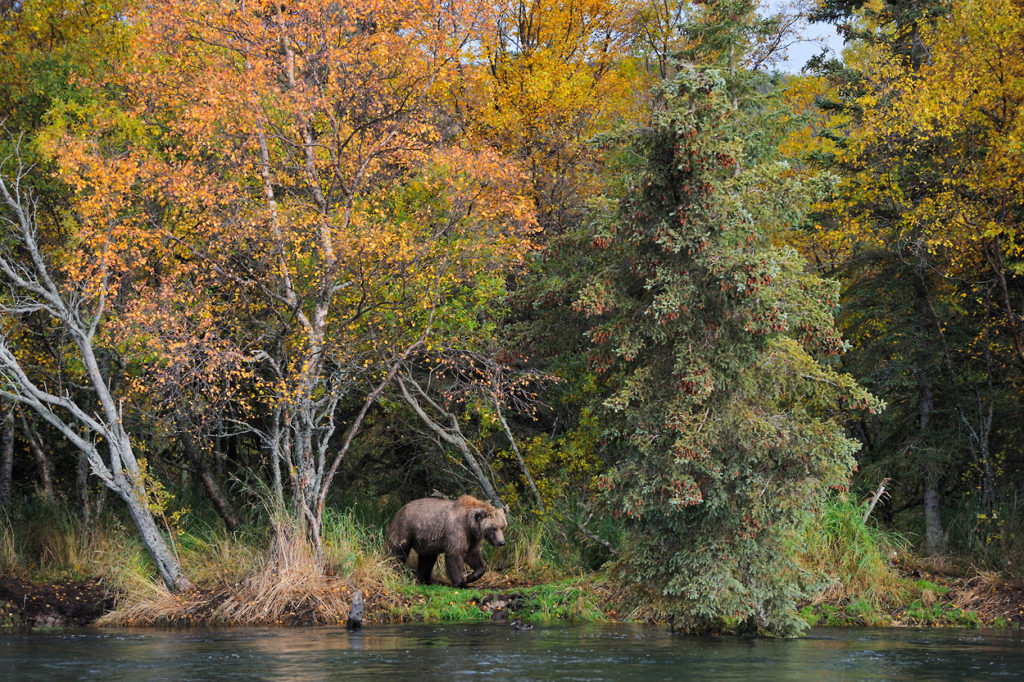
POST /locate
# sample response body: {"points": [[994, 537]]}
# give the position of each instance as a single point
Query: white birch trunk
{"points": [[33, 291]]}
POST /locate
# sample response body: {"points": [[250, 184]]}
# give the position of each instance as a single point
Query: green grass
{"points": [[851, 559], [9, 559], [929, 585], [573, 601], [442, 603], [44, 540], [349, 545], [857, 613], [939, 613]]}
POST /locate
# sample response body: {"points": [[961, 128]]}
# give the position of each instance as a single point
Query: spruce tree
{"points": [[720, 349]]}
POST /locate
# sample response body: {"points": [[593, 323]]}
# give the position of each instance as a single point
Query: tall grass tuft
{"points": [[44, 540], [10, 563], [528, 553], [854, 558], [351, 549], [992, 540], [252, 580], [290, 582], [211, 555]]}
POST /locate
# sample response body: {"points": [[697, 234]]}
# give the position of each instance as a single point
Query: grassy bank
{"points": [[870, 577], [570, 600], [267, 574]]}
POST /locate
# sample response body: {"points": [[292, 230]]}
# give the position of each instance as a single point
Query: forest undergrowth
{"points": [[859, 574]]}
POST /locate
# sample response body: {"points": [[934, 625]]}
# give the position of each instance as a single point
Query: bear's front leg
{"points": [[475, 559], [455, 569]]}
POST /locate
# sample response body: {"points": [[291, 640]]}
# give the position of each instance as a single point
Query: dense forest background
{"points": [[288, 265]]}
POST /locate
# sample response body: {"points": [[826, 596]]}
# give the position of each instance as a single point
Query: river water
{"points": [[497, 651]]}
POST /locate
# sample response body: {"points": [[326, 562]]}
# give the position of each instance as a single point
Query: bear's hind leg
{"points": [[425, 567]]}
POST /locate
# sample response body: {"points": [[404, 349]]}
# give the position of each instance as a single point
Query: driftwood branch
{"points": [[876, 497], [594, 536]]}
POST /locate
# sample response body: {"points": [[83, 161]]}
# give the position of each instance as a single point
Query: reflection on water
{"points": [[430, 651]]}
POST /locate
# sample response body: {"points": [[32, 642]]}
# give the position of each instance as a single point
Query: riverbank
{"points": [[982, 600], [59, 604], [75, 603], [60, 574]]}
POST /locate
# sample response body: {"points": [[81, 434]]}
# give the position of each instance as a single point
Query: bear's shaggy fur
{"points": [[455, 528]]}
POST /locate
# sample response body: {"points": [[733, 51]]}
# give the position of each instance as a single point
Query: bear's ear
{"points": [[479, 515]]}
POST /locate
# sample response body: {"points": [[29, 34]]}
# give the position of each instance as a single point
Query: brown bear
{"points": [[455, 528]]}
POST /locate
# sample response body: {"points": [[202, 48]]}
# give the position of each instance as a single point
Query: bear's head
{"points": [[491, 524]]}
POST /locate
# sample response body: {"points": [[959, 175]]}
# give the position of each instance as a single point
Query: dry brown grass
{"points": [[938, 564], [287, 584], [9, 560], [48, 545], [983, 589], [292, 583], [993, 597]]}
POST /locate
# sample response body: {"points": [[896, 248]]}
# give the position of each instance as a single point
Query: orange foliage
{"points": [[280, 207], [549, 77]]}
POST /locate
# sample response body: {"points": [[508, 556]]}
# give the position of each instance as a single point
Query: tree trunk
{"points": [[275, 458], [519, 456], [101, 418], [199, 464], [166, 562], [983, 431], [42, 461], [933, 536], [6, 457], [82, 491], [98, 502]]}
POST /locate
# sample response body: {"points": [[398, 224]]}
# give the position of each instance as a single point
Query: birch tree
{"points": [[297, 171], [78, 307]]}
